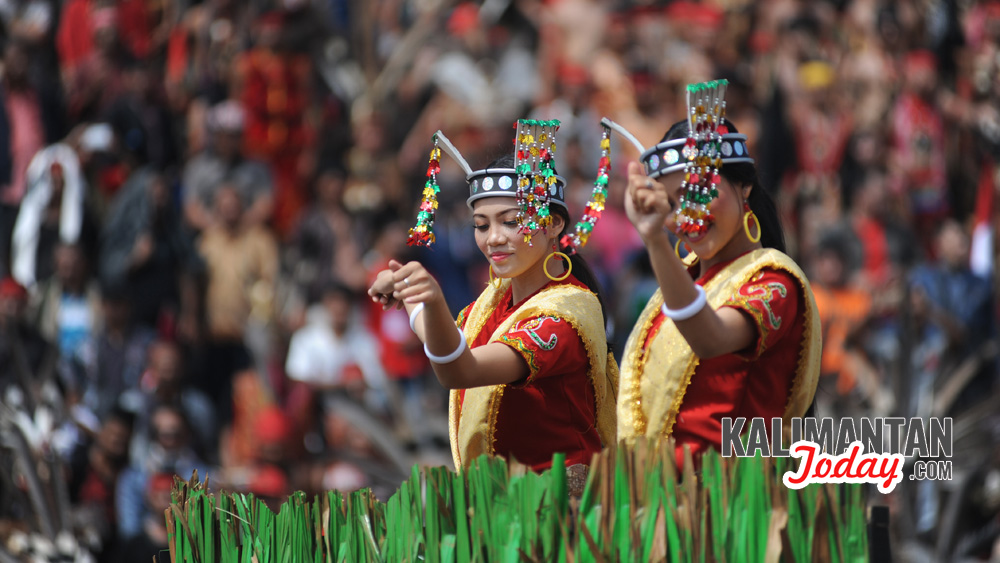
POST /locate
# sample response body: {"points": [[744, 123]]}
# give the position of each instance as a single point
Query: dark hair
{"points": [[581, 270], [743, 174], [122, 415], [335, 288]]}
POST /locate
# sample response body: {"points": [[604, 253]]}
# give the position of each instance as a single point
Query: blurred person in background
{"points": [[917, 170], [336, 353], [139, 119], [144, 246], [152, 537], [23, 350], [95, 79], [95, 466], [75, 36], [25, 129], [821, 129], [275, 87], [955, 308], [166, 382], [170, 452], [886, 247], [201, 54], [67, 307], [326, 245], [844, 310], [242, 265], [224, 162], [53, 210], [112, 360]]}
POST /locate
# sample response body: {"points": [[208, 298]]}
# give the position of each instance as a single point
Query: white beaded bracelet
{"points": [[413, 316], [689, 310], [450, 357]]}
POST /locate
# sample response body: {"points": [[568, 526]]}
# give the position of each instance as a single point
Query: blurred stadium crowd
{"points": [[194, 196]]}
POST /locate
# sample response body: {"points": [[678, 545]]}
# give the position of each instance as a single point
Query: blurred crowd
{"points": [[195, 195]]}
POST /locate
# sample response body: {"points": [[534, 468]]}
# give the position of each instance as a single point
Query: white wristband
{"points": [[450, 357], [413, 316], [689, 310]]}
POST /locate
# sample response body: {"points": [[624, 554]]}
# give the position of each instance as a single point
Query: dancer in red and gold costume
{"points": [[529, 366], [733, 330]]}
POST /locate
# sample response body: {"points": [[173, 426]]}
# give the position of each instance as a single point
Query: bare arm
{"points": [[710, 332], [409, 285]]}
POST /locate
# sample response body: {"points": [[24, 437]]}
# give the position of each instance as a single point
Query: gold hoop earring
{"points": [[746, 226], [545, 266], [677, 251], [494, 281]]}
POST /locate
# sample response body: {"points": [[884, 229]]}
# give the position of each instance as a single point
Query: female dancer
{"points": [[529, 366], [733, 330]]}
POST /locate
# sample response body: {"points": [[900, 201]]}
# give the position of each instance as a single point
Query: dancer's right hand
{"points": [[646, 203], [382, 289], [414, 284]]}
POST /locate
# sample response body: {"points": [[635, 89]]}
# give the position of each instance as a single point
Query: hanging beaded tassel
{"points": [[706, 109], [423, 233], [595, 207], [535, 147]]}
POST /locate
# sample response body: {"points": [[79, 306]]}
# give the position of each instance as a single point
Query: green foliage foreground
{"points": [[635, 507]]}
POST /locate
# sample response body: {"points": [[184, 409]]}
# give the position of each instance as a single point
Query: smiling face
{"points": [[495, 224], [722, 234]]}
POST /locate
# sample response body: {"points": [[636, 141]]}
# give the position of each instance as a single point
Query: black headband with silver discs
{"points": [[492, 182], [668, 156]]}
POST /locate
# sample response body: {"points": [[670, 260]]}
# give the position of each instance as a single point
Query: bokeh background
{"points": [[194, 197]]}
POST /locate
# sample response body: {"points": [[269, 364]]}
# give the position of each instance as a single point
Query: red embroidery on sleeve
{"points": [[755, 299]]}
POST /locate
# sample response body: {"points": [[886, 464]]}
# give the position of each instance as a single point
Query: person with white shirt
{"points": [[335, 353]]}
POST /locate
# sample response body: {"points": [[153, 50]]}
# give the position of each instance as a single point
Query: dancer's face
{"points": [[495, 223], [727, 210]]}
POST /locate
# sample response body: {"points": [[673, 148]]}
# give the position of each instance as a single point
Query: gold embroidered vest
{"points": [[472, 421], [653, 383]]}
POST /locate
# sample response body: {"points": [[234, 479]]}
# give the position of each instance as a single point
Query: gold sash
{"points": [[472, 424], [653, 384]]}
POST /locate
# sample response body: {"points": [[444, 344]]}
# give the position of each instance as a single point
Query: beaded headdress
{"points": [[533, 182], [708, 146]]}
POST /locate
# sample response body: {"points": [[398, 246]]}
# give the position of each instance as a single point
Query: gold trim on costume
{"points": [[654, 382], [472, 425]]}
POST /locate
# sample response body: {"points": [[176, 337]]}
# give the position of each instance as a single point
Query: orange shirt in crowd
{"points": [[841, 311]]}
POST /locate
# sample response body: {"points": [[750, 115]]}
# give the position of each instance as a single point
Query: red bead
{"points": [[723, 130]]}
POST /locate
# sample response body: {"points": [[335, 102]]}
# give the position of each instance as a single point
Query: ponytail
{"points": [[581, 269]]}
